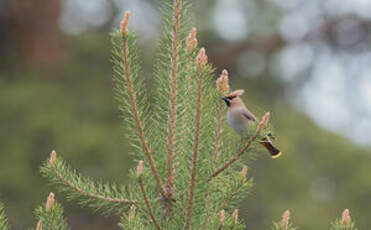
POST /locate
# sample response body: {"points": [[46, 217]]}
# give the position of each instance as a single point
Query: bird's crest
{"points": [[237, 93]]}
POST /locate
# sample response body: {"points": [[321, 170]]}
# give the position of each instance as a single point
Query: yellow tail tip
{"points": [[277, 155]]}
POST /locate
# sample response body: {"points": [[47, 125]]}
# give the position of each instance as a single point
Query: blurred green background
{"points": [[305, 61]]}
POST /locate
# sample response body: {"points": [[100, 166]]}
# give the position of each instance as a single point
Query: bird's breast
{"points": [[237, 122]]}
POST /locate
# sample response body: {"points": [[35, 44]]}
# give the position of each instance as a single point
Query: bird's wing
{"points": [[246, 113]]}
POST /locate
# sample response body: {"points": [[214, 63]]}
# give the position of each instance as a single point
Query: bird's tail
{"points": [[273, 150]]}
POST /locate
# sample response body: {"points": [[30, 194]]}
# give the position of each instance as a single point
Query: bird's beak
{"points": [[227, 101]]}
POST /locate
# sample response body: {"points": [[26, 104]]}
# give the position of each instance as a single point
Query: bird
{"points": [[239, 117]]}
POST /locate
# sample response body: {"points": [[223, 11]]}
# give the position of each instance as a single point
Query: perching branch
{"points": [[239, 153], [171, 129], [200, 62], [145, 197], [133, 104]]}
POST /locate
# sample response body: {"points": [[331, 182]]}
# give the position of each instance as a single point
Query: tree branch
{"points": [[171, 130], [189, 209], [86, 193], [239, 153], [146, 201], [133, 104]]}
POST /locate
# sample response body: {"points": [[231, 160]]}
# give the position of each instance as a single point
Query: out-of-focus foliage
{"points": [[3, 219], [70, 107]]}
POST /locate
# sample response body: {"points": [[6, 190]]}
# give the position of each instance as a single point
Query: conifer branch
{"points": [[241, 183], [78, 187], [131, 92], [239, 153], [345, 223], [88, 194], [235, 190], [145, 197], [171, 130], [51, 215], [200, 62], [191, 44], [49, 204], [222, 85]]}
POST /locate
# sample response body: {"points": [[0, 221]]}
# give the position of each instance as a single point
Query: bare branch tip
{"points": [[264, 120], [285, 219], [235, 216], [140, 169], [132, 212], [201, 59], [191, 41], [243, 173], [222, 83], [53, 157], [222, 217], [124, 22], [346, 219], [50, 201], [39, 225]]}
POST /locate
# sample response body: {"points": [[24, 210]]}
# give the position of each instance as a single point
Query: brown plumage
{"points": [[238, 117]]}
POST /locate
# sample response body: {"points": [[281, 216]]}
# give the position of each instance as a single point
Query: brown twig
{"points": [[171, 130], [239, 153], [133, 104], [146, 201], [189, 209]]}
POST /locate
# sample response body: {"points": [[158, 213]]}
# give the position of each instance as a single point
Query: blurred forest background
{"points": [[308, 62]]}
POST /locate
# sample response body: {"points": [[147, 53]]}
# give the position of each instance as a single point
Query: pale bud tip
{"points": [[50, 201], [140, 169], [222, 217], [222, 83], [39, 225], [53, 157], [264, 120], [285, 219], [345, 219], [191, 41], [243, 173], [235, 216], [201, 59], [132, 212], [125, 21]]}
